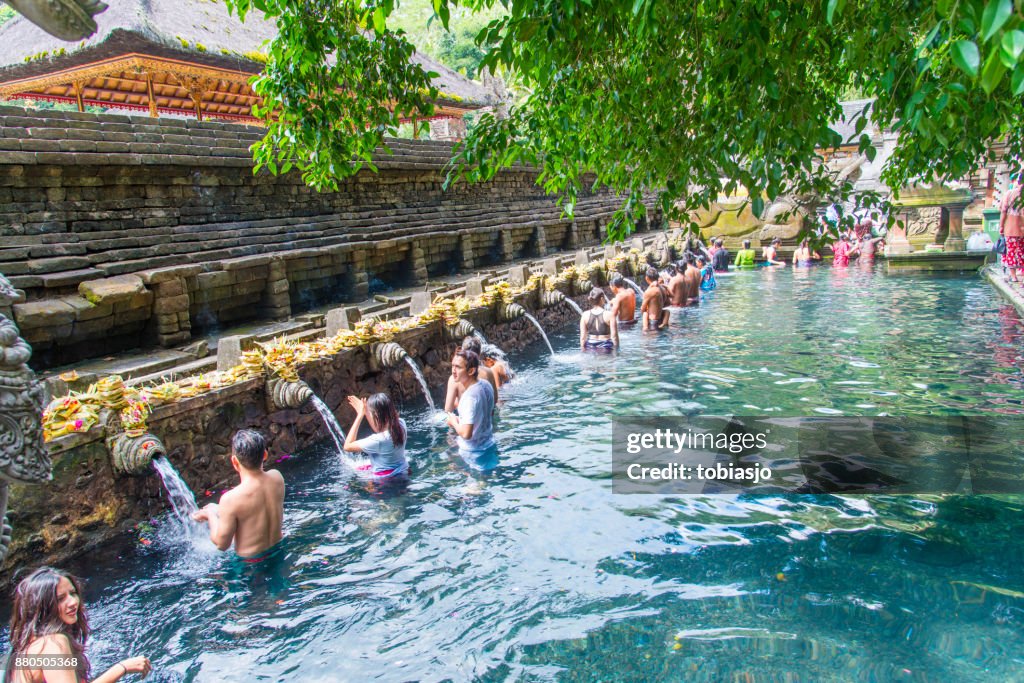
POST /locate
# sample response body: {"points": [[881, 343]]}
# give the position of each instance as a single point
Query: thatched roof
{"points": [[197, 37]]}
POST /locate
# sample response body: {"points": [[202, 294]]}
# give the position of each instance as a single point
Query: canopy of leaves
{"points": [[687, 100]]}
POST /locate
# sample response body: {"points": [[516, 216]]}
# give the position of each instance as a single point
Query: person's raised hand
{"points": [[358, 405]]}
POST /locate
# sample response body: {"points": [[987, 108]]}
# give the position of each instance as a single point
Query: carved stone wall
{"points": [[128, 232]]}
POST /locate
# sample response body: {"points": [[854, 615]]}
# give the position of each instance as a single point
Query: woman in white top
{"points": [[385, 448]]}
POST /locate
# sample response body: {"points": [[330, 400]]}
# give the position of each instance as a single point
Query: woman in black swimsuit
{"points": [[599, 331]]}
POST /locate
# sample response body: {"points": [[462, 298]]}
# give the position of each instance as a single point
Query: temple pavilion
{"points": [[177, 58]]}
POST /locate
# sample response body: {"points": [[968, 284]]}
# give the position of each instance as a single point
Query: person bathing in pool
{"points": [[454, 392], [623, 301], [250, 515], [386, 447], [599, 330], [656, 297]]}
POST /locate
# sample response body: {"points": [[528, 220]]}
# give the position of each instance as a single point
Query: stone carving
{"points": [[509, 312], [787, 214], [69, 20], [461, 330], [287, 394], [550, 298], [23, 457], [134, 454], [389, 354]]}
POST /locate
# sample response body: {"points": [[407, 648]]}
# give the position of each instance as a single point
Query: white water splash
{"points": [[575, 306], [635, 287], [541, 330], [333, 428], [183, 503], [423, 382]]}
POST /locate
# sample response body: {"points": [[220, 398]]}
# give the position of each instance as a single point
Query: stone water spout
{"points": [[463, 329], [555, 297], [510, 312], [389, 354], [285, 394], [23, 457], [69, 20], [134, 454]]}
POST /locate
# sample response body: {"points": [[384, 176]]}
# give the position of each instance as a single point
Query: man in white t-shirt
{"points": [[472, 423]]}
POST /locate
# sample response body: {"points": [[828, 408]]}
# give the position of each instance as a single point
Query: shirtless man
{"points": [[677, 285], [623, 300], [454, 392], [655, 314], [692, 277], [491, 359], [251, 513]]}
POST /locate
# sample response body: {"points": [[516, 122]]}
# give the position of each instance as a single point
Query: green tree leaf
{"points": [[995, 15], [1017, 81], [1013, 45], [967, 57], [993, 71], [757, 205]]}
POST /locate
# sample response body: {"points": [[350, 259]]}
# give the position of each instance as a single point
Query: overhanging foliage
{"points": [[688, 100]]}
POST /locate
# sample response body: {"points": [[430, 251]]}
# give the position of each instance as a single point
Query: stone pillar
{"points": [[507, 248], [540, 240], [602, 230], [572, 239], [417, 263], [229, 351], [519, 275], [276, 301], [449, 129], [420, 302], [360, 280], [955, 239], [550, 266], [466, 247], [170, 312], [475, 286], [341, 319], [896, 241]]}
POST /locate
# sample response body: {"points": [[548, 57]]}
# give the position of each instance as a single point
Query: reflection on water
{"points": [[535, 571]]}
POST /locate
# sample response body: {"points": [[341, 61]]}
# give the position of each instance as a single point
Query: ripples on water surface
{"points": [[535, 571]]}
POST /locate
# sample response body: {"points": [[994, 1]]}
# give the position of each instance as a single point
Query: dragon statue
{"points": [[23, 457], [70, 20]]}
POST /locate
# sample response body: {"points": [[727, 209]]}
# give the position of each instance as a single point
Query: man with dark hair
{"points": [[653, 307], [454, 392], [745, 256], [251, 513], [691, 275], [623, 300], [677, 284], [720, 261], [472, 423]]}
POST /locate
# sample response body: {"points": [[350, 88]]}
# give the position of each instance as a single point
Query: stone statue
{"points": [[70, 20], [786, 215], [23, 457]]}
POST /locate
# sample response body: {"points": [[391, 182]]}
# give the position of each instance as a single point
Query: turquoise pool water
{"points": [[536, 571]]}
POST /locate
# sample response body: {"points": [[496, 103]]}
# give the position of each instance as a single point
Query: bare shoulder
{"points": [[53, 644]]}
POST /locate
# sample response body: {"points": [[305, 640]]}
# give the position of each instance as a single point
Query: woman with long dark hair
{"points": [[386, 446], [48, 619]]}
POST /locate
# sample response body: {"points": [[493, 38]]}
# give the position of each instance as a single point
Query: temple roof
{"points": [[175, 47]]}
